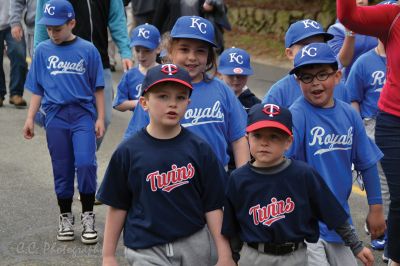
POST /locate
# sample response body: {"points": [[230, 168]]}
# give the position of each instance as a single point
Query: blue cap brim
{"points": [[195, 37], [327, 37], [147, 44], [313, 62], [53, 21], [236, 71]]}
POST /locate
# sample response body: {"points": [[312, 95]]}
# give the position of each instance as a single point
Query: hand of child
{"points": [[28, 129], [365, 255], [126, 64], [100, 128], [226, 262], [208, 7], [110, 261], [376, 221]]}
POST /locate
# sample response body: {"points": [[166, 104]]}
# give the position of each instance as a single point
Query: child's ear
{"points": [[289, 54], [338, 76], [289, 142], [143, 103]]}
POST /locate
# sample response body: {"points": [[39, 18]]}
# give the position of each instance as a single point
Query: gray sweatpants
{"points": [[197, 249], [324, 253], [251, 257]]}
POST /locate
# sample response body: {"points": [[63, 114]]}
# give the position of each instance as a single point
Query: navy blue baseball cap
{"points": [[166, 73], [315, 53], [194, 27], [304, 29], [235, 61], [145, 35], [57, 13], [269, 115]]}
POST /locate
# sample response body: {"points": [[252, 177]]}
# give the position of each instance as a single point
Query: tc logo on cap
{"points": [[169, 69], [310, 51], [271, 109], [310, 23], [236, 57], [201, 26]]}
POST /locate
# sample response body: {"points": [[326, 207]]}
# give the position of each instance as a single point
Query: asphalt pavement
{"points": [[29, 211]]}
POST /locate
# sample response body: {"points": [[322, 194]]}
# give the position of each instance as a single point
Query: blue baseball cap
{"points": [[235, 61], [269, 115], [315, 53], [57, 13], [166, 73], [194, 27], [304, 29], [145, 35]]}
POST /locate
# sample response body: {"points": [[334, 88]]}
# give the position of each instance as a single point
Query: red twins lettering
{"points": [[271, 213], [172, 179]]}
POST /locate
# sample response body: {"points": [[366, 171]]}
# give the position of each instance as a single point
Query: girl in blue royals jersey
{"points": [[214, 114], [66, 78]]}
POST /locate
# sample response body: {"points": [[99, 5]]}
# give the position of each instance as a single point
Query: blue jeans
{"points": [[387, 137], [16, 51]]}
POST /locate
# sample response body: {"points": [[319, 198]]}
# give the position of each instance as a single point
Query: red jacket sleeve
{"points": [[367, 20]]}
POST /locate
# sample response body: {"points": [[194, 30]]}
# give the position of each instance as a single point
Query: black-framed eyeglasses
{"points": [[321, 76]]}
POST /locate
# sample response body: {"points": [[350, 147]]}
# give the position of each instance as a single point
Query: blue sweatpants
{"points": [[71, 140]]}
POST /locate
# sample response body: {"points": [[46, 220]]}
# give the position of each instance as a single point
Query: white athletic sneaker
{"points": [[66, 227], [89, 234]]}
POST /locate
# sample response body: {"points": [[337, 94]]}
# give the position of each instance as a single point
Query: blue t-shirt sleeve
{"points": [[31, 82], [114, 190], [272, 96], [324, 204], [139, 120], [213, 180], [237, 117], [365, 152], [96, 69], [297, 150], [355, 83], [372, 185], [230, 224], [122, 91], [337, 30]]}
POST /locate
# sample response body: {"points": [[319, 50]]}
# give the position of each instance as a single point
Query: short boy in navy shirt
{"points": [[164, 184], [273, 203]]}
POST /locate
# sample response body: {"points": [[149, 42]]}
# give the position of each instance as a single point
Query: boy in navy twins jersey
{"points": [[164, 184], [66, 78], [329, 135], [274, 203], [286, 90]]}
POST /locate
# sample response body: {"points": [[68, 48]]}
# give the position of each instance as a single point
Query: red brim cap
{"points": [[170, 80], [266, 123]]}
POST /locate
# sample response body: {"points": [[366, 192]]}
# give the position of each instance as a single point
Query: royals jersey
{"points": [[214, 114], [287, 90], [65, 74], [166, 187], [365, 82], [280, 207], [130, 86], [330, 140], [363, 44]]}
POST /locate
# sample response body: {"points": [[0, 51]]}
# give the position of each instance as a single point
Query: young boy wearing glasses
{"points": [[330, 136]]}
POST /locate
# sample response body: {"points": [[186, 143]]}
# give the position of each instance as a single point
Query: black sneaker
{"points": [[66, 227], [89, 234]]}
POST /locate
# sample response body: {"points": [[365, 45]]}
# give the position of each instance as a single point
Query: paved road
{"points": [[29, 213]]}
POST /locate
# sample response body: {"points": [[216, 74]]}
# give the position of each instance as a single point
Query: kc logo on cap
{"points": [[235, 61], [201, 26], [194, 27], [57, 13]]}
